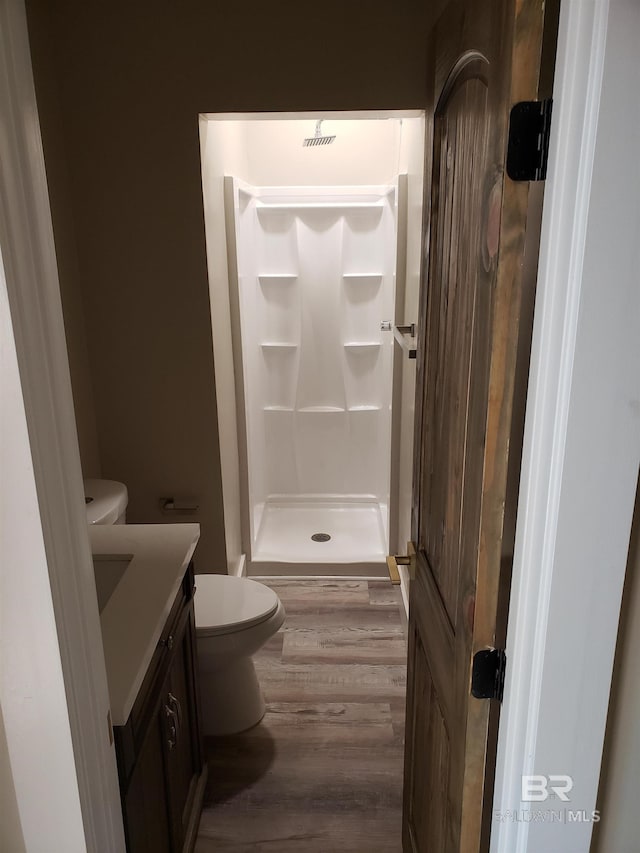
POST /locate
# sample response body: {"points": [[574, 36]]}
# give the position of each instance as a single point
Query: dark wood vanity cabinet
{"points": [[159, 750]]}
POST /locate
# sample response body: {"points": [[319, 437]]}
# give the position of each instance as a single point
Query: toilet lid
{"points": [[224, 603]]}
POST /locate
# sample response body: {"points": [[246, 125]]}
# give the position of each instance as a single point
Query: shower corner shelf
{"points": [[278, 409], [284, 206], [356, 345], [364, 409], [283, 345], [321, 409], [363, 277], [273, 277]]}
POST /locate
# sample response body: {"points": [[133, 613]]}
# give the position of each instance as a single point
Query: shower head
{"points": [[318, 138]]}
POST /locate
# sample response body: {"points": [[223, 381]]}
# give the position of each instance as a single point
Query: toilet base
{"points": [[230, 696]]}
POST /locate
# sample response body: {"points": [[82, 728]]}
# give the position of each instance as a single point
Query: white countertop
{"points": [[133, 618]]}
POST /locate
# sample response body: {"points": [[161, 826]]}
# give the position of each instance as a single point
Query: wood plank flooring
{"points": [[322, 773]]}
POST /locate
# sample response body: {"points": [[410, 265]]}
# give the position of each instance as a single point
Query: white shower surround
{"points": [[316, 279]]}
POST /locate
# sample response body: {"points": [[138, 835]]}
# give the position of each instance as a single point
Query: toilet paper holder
{"points": [[179, 506]]}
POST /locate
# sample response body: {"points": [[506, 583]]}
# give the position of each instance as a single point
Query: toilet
{"points": [[105, 501], [234, 618]]}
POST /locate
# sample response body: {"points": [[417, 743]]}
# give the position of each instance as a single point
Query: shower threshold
{"points": [[320, 536]]}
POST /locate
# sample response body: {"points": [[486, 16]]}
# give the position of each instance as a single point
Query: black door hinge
{"points": [[528, 148], [487, 675]]}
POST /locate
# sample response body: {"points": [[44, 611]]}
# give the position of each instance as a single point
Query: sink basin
{"points": [[108, 570]]}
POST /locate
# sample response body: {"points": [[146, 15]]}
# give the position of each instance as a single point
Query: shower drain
{"points": [[321, 537]]}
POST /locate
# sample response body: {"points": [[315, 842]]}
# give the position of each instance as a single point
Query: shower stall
{"points": [[313, 303]]}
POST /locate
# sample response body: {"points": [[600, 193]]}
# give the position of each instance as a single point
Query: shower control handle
{"points": [[409, 329]]}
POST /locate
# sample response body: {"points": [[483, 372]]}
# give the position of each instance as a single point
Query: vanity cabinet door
{"points": [[145, 803], [159, 750], [183, 755]]}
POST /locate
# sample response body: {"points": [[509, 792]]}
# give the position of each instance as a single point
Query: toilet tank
{"points": [[106, 501]]}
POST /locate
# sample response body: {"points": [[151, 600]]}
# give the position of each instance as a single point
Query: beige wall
{"points": [[618, 794], [127, 81], [363, 152], [71, 282]]}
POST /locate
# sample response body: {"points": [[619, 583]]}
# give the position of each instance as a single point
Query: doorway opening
{"points": [[313, 226]]}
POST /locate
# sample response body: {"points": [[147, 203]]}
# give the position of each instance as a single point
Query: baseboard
{"points": [[317, 577], [405, 580], [265, 568]]}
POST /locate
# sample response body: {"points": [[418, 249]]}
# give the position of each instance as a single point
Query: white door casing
{"points": [[582, 435], [54, 690]]}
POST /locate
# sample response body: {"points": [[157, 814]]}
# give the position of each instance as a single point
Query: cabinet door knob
{"points": [[168, 643], [172, 726], [175, 704]]}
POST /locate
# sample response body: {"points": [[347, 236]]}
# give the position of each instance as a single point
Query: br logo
{"points": [[537, 788]]}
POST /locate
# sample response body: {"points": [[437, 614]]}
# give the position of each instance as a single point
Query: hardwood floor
{"points": [[322, 773]]}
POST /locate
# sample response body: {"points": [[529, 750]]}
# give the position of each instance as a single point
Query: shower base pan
{"points": [[320, 537]]}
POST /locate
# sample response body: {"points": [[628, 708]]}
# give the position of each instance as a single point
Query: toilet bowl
{"points": [[234, 618], [106, 501]]}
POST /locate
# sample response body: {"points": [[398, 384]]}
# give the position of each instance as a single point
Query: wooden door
{"points": [[486, 56]]}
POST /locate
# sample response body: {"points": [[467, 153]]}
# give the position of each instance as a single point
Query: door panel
{"points": [[454, 309], [486, 56], [429, 781]]}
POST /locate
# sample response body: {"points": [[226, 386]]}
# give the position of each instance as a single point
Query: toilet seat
{"points": [[106, 501], [225, 604]]}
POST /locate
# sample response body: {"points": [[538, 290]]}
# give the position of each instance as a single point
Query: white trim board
{"points": [[582, 435], [65, 587]]}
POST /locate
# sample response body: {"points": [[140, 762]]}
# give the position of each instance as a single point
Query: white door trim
{"points": [[29, 259], [582, 438]]}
